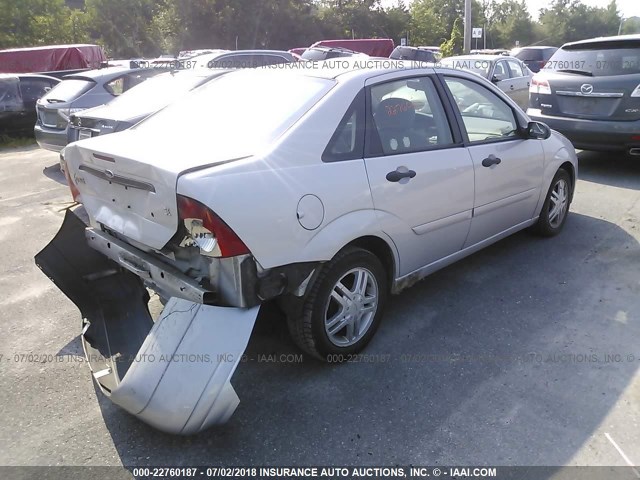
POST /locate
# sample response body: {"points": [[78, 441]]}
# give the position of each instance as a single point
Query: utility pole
{"points": [[467, 26]]}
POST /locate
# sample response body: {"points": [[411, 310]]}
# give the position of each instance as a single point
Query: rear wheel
{"points": [[556, 206], [343, 308]]}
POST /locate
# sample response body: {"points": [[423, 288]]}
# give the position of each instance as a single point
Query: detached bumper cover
{"points": [[173, 374]]}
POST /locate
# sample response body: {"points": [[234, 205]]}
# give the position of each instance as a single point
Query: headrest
{"points": [[395, 113]]}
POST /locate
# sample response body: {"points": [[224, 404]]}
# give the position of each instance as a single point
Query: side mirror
{"points": [[494, 79], [538, 130]]}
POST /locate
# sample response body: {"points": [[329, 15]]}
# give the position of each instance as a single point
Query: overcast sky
{"points": [[628, 8]]}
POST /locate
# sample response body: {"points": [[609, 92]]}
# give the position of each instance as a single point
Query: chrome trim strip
{"points": [[442, 222], [592, 95], [503, 202], [118, 179]]}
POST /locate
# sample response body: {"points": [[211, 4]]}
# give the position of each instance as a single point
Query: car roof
{"points": [[361, 67], [483, 56], [256, 52], [415, 48], [102, 73], [534, 47], [616, 38], [27, 76]]}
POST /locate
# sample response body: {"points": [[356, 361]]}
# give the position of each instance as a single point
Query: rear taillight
{"points": [[208, 231], [636, 92], [540, 86], [64, 114]]}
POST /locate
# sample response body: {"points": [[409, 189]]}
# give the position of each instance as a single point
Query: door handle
{"points": [[399, 174], [511, 87], [491, 160]]}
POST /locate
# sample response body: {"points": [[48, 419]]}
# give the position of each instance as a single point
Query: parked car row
{"points": [[18, 96], [66, 113]]}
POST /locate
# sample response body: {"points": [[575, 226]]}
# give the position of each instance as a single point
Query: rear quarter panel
{"points": [[258, 197]]}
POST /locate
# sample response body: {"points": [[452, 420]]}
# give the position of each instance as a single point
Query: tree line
{"points": [[135, 28]]}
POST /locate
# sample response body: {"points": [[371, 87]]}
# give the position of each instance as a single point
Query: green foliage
{"points": [[509, 21], [132, 28], [455, 44], [123, 26], [39, 22], [631, 25], [570, 20]]}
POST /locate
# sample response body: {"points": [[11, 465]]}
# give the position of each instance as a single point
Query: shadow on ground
{"points": [[490, 357], [511, 357], [615, 169]]}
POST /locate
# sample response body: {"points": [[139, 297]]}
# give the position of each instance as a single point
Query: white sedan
{"points": [[326, 188]]}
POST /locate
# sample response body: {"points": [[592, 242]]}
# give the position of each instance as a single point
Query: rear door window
{"points": [[408, 116], [10, 98], [34, 88], [121, 84]]}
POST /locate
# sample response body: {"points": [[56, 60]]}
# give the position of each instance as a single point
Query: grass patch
{"points": [[7, 141]]}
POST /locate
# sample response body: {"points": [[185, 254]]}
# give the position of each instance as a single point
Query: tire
{"points": [[552, 220], [335, 320]]}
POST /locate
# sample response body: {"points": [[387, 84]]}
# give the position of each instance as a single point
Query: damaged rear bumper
{"points": [[173, 374]]}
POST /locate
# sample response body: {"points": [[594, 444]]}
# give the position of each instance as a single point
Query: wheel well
{"points": [[572, 174], [380, 249]]}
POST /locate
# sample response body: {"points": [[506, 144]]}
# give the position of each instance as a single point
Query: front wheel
{"points": [[343, 308], [556, 206]]}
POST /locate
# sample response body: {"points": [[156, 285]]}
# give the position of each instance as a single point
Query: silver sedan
{"points": [[508, 73]]}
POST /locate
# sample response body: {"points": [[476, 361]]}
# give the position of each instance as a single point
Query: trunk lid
{"points": [[128, 183], [582, 96]]}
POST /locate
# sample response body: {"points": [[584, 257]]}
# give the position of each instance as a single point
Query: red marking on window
{"points": [[393, 110]]}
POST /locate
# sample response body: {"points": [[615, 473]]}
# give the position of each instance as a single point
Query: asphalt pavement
{"points": [[526, 353]]}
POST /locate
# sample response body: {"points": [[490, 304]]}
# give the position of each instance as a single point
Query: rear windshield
{"points": [[247, 61], [69, 89], [597, 59], [155, 93], [247, 107], [401, 53], [530, 54], [10, 99], [316, 54]]}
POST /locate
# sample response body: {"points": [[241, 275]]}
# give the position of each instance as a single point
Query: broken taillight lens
{"points": [[208, 231]]}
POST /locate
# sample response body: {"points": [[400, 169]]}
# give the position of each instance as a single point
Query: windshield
{"points": [[598, 60], [155, 93], [68, 90], [403, 53], [247, 107]]}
